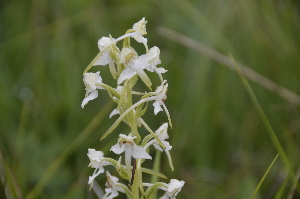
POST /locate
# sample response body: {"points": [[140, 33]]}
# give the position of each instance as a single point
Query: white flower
{"points": [[161, 97], [114, 112], [127, 144], [112, 187], [140, 30], [95, 158], [162, 134], [91, 81], [109, 55], [174, 187], [105, 58], [151, 60], [134, 65]]}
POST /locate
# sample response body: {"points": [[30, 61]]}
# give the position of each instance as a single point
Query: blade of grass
{"points": [[263, 178], [280, 193], [266, 122], [8, 180], [68, 151], [294, 185], [285, 183], [264, 118]]}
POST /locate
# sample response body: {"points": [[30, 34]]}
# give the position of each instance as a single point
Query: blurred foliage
{"points": [[221, 148]]}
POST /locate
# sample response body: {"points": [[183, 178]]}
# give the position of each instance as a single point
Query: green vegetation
{"points": [[223, 148]]}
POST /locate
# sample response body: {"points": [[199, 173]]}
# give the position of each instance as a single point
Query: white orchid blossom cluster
{"points": [[126, 67]]}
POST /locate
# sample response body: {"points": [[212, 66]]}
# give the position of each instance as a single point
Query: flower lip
{"points": [[91, 82], [112, 188], [96, 158], [161, 97]]}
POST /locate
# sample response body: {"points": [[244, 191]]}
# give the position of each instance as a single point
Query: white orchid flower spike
{"points": [[91, 82], [95, 158], [128, 67]]}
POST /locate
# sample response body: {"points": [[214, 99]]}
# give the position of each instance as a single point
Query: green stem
{"points": [[156, 166], [135, 187]]}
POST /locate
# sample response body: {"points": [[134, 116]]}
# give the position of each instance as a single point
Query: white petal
{"points": [[103, 42], [175, 184], [174, 187], [140, 38], [114, 112], [91, 96], [117, 149], [167, 145], [95, 155], [143, 61], [99, 171], [128, 154], [140, 26], [157, 146], [154, 56], [162, 132], [113, 194], [160, 70], [97, 164], [165, 196], [126, 74], [139, 152], [157, 107], [103, 60], [91, 79], [141, 74], [119, 89], [128, 138]]}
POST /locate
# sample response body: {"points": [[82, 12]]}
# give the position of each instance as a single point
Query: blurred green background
{"points": [[221, 148]]}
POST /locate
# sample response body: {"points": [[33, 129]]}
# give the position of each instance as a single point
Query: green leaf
{"points": [[152, 172], [152, 189]]}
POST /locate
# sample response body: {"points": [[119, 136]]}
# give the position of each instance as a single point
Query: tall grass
{"points": [[222, 147]]}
